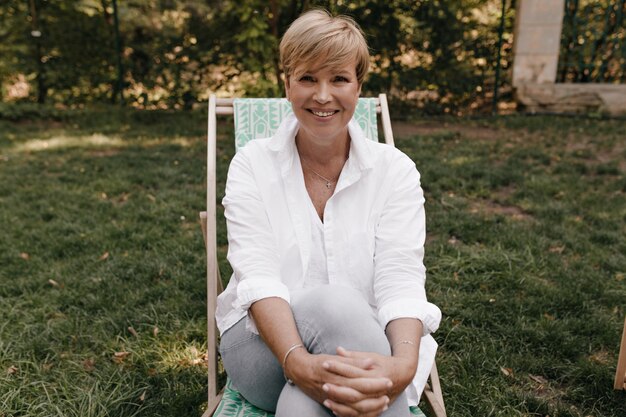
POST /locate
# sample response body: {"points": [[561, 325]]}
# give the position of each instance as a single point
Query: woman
{"points": [[326, 308]]}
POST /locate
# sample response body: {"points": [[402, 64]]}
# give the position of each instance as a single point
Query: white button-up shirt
{"points": [[374, 232]]}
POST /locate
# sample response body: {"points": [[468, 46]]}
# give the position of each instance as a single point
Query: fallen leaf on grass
{"points": [[506, 371], [12, 370], [24, 256], [152, 372], [47, 366], [89, 364], [132, 331], [556, 249], [55, 315], [155, 331], [538, 379], [191, 362], [104, 256], [123, 198], [118, 357], [54, 283], [151, 197], [142, 397]]}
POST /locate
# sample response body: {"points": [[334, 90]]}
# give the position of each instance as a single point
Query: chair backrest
{"points": [[276, 110], [260, 117]]}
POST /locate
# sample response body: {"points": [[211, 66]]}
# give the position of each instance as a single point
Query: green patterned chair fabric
{"points": [[259, 117], [234, 405]]}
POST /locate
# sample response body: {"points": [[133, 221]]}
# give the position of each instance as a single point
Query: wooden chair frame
{"points": [[432, 392], [620, 372]]}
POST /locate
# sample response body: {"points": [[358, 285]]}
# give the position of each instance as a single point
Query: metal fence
{"points": [[593, 42]]}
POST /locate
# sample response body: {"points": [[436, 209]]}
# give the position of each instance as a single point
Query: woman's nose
{"points": [[322, 93]]}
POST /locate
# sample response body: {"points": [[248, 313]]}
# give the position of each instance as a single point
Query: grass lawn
{"points": [[102, 292]]}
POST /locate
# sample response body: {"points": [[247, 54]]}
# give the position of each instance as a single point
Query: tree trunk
{"points": [[42, 89], [119, 90], [275, 10]]}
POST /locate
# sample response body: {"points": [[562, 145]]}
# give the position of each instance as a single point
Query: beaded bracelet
{"points": [[291, 349]]}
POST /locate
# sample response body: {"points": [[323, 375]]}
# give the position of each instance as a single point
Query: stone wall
{"points": [[537, 41]]}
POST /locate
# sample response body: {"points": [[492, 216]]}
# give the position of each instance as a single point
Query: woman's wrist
{"points": [[291, 364], [405, 357], [405, 369]]}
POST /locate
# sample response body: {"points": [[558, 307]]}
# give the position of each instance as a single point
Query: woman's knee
{"points": [[294, 402], [334, 315]]}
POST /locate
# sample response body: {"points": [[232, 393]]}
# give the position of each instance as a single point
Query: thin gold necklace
{"points": [[329, 183]]}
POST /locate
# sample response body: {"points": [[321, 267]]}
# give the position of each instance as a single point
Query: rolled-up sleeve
{"points": [[400, 274], [252, 250]]}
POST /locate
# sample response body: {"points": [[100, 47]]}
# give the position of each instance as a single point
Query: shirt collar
{"points": [[283, 141]]}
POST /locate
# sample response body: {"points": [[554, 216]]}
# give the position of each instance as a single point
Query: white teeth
{"points": [[323, 113]]}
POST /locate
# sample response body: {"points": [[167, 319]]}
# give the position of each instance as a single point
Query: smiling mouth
{"points": [[324, 113]]}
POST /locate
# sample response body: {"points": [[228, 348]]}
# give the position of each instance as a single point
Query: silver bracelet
{"points": [[291, 349], [402, 342]]}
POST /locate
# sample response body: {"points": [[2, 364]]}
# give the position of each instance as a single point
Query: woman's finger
{"points": [[344, 369], [370, 387], [371, 405], [358, 359], [367, 387], [366, 408], [339, 409], [343, 394]]}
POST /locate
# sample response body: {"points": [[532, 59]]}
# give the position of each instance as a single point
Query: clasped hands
{"points": [[351, 383]]}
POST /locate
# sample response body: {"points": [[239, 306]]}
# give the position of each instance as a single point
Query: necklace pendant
{"points": [[328, 184]]}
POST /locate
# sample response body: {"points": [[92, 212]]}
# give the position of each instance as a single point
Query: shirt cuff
{"points": [[428, 313], [254, 289]]}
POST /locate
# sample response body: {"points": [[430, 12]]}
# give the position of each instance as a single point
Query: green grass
{"points": [[98, 213]]}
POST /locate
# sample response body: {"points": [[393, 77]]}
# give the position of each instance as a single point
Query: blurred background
{"points": [[431, 57]]}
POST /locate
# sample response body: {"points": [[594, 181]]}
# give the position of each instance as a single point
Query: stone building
{"points": [[537, 41]]}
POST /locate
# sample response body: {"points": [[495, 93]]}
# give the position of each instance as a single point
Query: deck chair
{"points": [[256, 118], [620, 373]]}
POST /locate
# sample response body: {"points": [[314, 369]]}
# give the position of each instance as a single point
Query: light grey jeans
{"points": [[327, 317]]}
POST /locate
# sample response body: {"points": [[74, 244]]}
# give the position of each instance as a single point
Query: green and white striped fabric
{"points": [[234, 405], [260, 117]]}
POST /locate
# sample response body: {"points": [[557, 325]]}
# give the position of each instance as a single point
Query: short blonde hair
{"points": [[317, 35]]}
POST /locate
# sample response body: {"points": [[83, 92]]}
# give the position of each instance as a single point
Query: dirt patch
{"points": [[41, 124], [601, 357], [104, 153], [488, 207], [406, 129], [615, 154]]}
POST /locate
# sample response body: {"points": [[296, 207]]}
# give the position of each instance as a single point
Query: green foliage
{"points": [[592, 42], [434, 55]]}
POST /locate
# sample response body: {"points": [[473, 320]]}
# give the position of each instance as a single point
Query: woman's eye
{"points": [[306, 78], [341, 79]]}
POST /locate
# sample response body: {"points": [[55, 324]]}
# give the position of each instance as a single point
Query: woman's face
{"points": [[323, 100]]}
